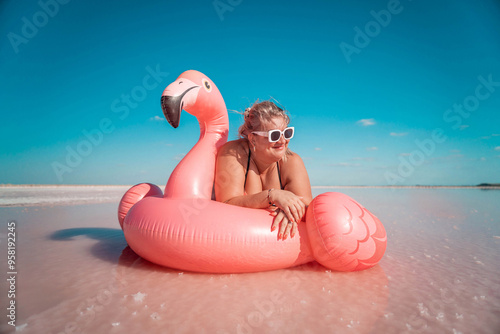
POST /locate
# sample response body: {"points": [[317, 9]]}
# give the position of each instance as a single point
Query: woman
{"points": [[259, 171]]}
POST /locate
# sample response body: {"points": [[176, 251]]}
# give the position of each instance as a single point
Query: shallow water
{"points": [[59, 195], [440, 273]]}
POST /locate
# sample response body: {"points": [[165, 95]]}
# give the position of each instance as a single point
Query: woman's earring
{"points": [[254, 146]]}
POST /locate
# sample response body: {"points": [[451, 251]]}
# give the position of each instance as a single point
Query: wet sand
{"points": [[440, 273]]}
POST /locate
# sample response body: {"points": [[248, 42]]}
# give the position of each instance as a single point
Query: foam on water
{"points": [[440, 274]]}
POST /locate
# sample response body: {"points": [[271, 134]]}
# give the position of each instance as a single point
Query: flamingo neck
{"points": [[194, 175]]}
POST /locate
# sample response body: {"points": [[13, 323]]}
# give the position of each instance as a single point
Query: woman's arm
{"points": [[294, 199], [296, 183], [297, 179]]}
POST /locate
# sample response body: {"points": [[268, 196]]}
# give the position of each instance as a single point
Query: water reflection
{"points": [[307, 298]]}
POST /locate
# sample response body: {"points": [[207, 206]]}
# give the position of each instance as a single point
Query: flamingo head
{"points": [[195, 93]]}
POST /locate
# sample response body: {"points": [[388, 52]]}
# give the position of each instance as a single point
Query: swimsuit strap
{"points": [[248, 167], [279, 174]]}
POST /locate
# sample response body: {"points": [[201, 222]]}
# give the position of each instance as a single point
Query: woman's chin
{"points": [[278, 151]]}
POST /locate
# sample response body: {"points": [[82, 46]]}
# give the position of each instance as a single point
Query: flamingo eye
{"points": [[206, 85]]}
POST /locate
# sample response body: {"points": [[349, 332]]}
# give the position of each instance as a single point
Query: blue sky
{"points": [[380, 92]]}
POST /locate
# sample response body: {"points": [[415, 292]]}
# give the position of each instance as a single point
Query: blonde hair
{"points": [[258, 113]]}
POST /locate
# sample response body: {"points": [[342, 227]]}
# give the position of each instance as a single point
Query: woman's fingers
{"points": [[272, 211], [292, 209], [286, 227], [295, 212], [289, 215], [277, 220], [302, 212], [298, 210], [295, 227], [290, 230], [283, 226]]}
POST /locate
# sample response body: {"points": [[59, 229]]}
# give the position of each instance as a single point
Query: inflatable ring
{"points": [[184, 229]]}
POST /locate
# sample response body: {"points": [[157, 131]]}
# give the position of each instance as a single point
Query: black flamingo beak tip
{"points": [[172, 107]]}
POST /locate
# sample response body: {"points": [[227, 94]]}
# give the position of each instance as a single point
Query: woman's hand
{"points": [[286, 226], [290, 204]]}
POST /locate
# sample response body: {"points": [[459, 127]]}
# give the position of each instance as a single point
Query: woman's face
{"points": [[271, 151]]}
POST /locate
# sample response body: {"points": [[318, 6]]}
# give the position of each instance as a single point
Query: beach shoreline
{"points": [[56, 195]]}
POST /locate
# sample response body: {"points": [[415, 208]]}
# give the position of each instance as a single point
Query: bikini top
{"points": [[248, 166]]}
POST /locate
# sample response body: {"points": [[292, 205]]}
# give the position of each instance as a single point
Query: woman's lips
{"points": [[279, 147]]}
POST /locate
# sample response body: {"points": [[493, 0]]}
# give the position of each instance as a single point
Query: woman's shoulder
{"points": [[294, 172], [292, 158], [292, 162], [235, 148]]}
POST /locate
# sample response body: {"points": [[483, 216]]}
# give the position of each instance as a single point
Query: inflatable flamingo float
{"points": [[184, 229]]}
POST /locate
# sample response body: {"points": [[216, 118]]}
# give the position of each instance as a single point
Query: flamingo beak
{"points": [[172, 107]]}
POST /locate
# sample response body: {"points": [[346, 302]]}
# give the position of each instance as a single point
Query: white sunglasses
{"points": [[275, 135]]}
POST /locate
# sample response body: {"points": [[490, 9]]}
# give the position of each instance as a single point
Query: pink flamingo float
{"points": [[186, 230]]}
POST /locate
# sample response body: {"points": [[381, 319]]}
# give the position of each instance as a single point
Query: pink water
{"points": [[75, 274]]}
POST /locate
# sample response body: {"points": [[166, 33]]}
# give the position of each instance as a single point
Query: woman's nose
{"points": [[282, 139]]}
